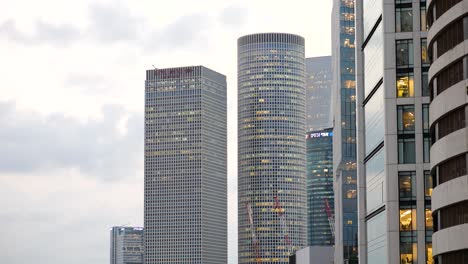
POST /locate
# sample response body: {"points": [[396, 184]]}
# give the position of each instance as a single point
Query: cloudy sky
{"points": [[71, 108]]}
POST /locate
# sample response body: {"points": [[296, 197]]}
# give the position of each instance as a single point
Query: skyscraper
{"points": [[447, 39], [319, 79], [394, 177], [320, 199], [126, 245], [271, 152], [319, 146], [344, 133], [185, 166]]}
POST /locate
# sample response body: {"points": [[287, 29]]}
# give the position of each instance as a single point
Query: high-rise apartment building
{"points": [[185, 166], [271, 153], [344, 134], [319, 78], [320, 199], [395, 184], [448, 113], [126, 245]]}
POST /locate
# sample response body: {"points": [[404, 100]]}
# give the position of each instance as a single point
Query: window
{"points": [[429, 259], [407, 219], [408, 252], [428, 185], [404, 16], [407, 183], [427, 148], [425, 82], [424, 55], [408, 235], [405, 119], [406, 149], [423, 16], [429, 223], [405, 84], [425, 110], [406, 139], [404, 54]]}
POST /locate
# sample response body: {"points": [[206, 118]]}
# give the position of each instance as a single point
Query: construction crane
{"points": [[284, 227], [255, 241], [331, 219]]}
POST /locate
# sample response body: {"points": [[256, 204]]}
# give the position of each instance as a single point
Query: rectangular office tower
{"points": [[344, 132], [319, 79], [185, 166], [395, 185], [126, 245], [320, 199]]}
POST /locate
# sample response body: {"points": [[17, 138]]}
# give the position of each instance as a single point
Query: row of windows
{"points": [[451, 169], [449, 123], [438, 8], [455, 214], [448, 77], [460, 256], [450, 37]]}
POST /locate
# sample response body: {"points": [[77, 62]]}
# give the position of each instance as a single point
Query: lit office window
{"points": [[429, 259], [407, 219], [429, 223], [405, 84]]}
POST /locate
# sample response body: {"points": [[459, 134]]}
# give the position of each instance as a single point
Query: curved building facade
{"points": [[448, 41], [272, 203]]}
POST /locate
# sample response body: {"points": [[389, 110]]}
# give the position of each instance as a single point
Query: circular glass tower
{"points": [[271, 153]]}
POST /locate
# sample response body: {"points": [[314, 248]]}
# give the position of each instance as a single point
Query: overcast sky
{"points": [[72, 101]]}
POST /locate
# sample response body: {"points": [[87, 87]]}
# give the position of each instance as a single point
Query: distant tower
{"points": [[319, 81], [126, 245], [271, 153], [344, 132], [185, 166], [320, 195]]}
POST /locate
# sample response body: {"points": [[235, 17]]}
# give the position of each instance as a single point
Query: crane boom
{"points": [[255, 241], [284, 227], [331, 219]]}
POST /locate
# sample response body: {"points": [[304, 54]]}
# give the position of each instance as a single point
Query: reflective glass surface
{"points": [[374, 117], [377, 239], [373, 60], [375, 181]]}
